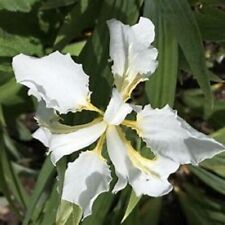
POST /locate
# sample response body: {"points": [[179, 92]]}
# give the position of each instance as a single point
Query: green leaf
{"points": [[11, 45], [100, 210], [24, 133], [216, 164], [161, 87], [5, 70], [80, 17], [194, 99], [51, 4], [61, 168], [11, 185], [7, 193], [24, 25], [8, 91], [208, 2], [210, 179], [219, 135], [152, 211], [17, 5], [133, 218], [75, 48], [199, 208], [50, 209], [211, 22], [9, 144], [192, 211], [68, 213], [131, 204], [39, 195], [5, 180], [12, 180], [184, 24]]}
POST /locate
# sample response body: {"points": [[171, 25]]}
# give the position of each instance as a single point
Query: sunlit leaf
{"points": [[68, 213], [131, 204], [11, 45], [17, 5]]}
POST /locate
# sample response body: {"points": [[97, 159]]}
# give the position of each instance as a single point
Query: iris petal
{"points": [[134, 59], [145, 176], [85, 179], [117, 109], [56, 79], [170, 136]]}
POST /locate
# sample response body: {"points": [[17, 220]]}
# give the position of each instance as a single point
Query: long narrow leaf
{"points": [[184, 24], [162, 85]]}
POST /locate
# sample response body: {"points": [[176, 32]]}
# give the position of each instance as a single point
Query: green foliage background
{"points": [[190, 36]]}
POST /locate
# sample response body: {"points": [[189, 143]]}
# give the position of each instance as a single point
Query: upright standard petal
{"points": [[85, 179], [134, 59], [117, 109], [56, 79], [170, 136], [65, 144], [144, 175]]}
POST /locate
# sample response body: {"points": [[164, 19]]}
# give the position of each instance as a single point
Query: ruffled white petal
{"points": [[144, 31], [56, 79], [43, 135], [65, 144], [134, 59], [45, 116], [117, 109], [170, 136], [85, 179], [145, 176]]}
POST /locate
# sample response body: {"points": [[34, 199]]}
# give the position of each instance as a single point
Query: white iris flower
{"points": [[61, 86]]}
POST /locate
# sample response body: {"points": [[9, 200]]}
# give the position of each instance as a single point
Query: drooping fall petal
{"points": [[144, 175], [85, 179], [170, 136], [56, 79], [65, 144]]}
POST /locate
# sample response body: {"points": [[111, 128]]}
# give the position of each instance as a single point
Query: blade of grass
{"points": [[180, 16], [161, 87], [50, 210], [46, 174]]}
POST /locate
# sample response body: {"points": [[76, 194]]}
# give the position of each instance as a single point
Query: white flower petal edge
{"points": [[145, 176], [43, 135], [45, 115], [117, 109], [134, 59], [144, 31], [47, 119], [49, 78], [85, 179], [65, 144], [170, 136]]}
